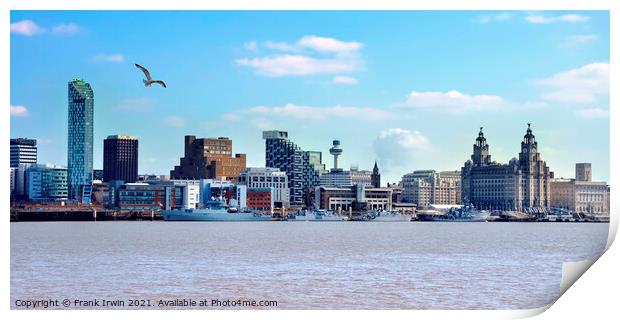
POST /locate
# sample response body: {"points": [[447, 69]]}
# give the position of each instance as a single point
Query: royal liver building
{"points": [[520, 185]]}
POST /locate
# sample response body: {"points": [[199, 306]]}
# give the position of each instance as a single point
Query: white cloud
{"points": [[66, 28], [322, 113], [580, 39], [136, 104], [250, 45], [586, 84], [593, 113], [496, 17], [19, 111], [397, 147], [310, 55], [323, 44], [26, 28], [569, 18], [281, 46], [298, 65], [344, 80], [453, 101], [175, 121], [115, 57]]}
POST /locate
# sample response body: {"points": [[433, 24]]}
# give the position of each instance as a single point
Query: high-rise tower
{"points": [[120, 158], [80, 141], [335, 151]]}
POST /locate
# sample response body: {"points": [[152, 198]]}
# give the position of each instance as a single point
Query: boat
{"points": [[389, 216], [214, 211], [316, 215], [463, 214]]}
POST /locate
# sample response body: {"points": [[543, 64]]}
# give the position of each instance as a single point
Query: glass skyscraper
{"points": [[80, 141]]}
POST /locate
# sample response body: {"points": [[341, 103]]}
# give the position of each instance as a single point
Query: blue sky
{"points": [[409, 89]]}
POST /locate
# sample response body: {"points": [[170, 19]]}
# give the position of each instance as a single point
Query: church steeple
{"points": [[375, 177]]}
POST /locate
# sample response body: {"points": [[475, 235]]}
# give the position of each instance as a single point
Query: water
{"points": [[302, 265]]}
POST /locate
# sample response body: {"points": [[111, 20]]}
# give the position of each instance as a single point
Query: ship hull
{"points": [[211, 215], [444, 218]]}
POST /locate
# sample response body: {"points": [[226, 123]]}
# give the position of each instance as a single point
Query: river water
{"points": [[302, 265]]}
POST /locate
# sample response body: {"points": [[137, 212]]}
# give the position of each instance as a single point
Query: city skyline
{"points": [[405, 99]]}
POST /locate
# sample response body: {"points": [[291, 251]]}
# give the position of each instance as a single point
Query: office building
{"points": [[351, 198], [271, 178], [80, 141], [581, 195], [426, 187], [46, 183], [120, 158], [209, 158], [303, 168], [520, 185], [361, 177], [23, 151]]}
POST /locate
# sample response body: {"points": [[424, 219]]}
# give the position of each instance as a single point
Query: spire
{"points": [[375, 177]]}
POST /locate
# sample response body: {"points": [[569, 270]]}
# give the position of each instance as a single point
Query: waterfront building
{"points": [[101, 192], [146, 197], [271, 178], [20, 180], [120, 158], [23, 151], [352, 197], [397, 192], [303, 168], [581, 195], [521, 184], [426, 187], [209, 158], [80, 141], [46, 183], [259, 199]]}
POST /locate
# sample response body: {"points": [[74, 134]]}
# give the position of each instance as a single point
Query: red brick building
{"points": [[259, 199]]}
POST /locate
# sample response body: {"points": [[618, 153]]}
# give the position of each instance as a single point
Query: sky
{"points": [[409, 89]]}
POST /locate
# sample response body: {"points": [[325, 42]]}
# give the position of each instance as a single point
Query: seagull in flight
{"points": [[149, 81]]}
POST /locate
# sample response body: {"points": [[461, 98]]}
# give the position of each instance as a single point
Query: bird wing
{"points": [[160, 82], [146, 72]]}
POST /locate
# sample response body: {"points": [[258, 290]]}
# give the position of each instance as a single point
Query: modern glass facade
{"points": [[149, 197], [80, 140], [46, 183], [23, 151]]}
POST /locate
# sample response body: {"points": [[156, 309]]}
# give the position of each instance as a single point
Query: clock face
{"points": [[524, 150]]}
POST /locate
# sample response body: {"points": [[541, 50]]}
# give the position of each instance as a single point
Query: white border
{"points": [[595, 294]]}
